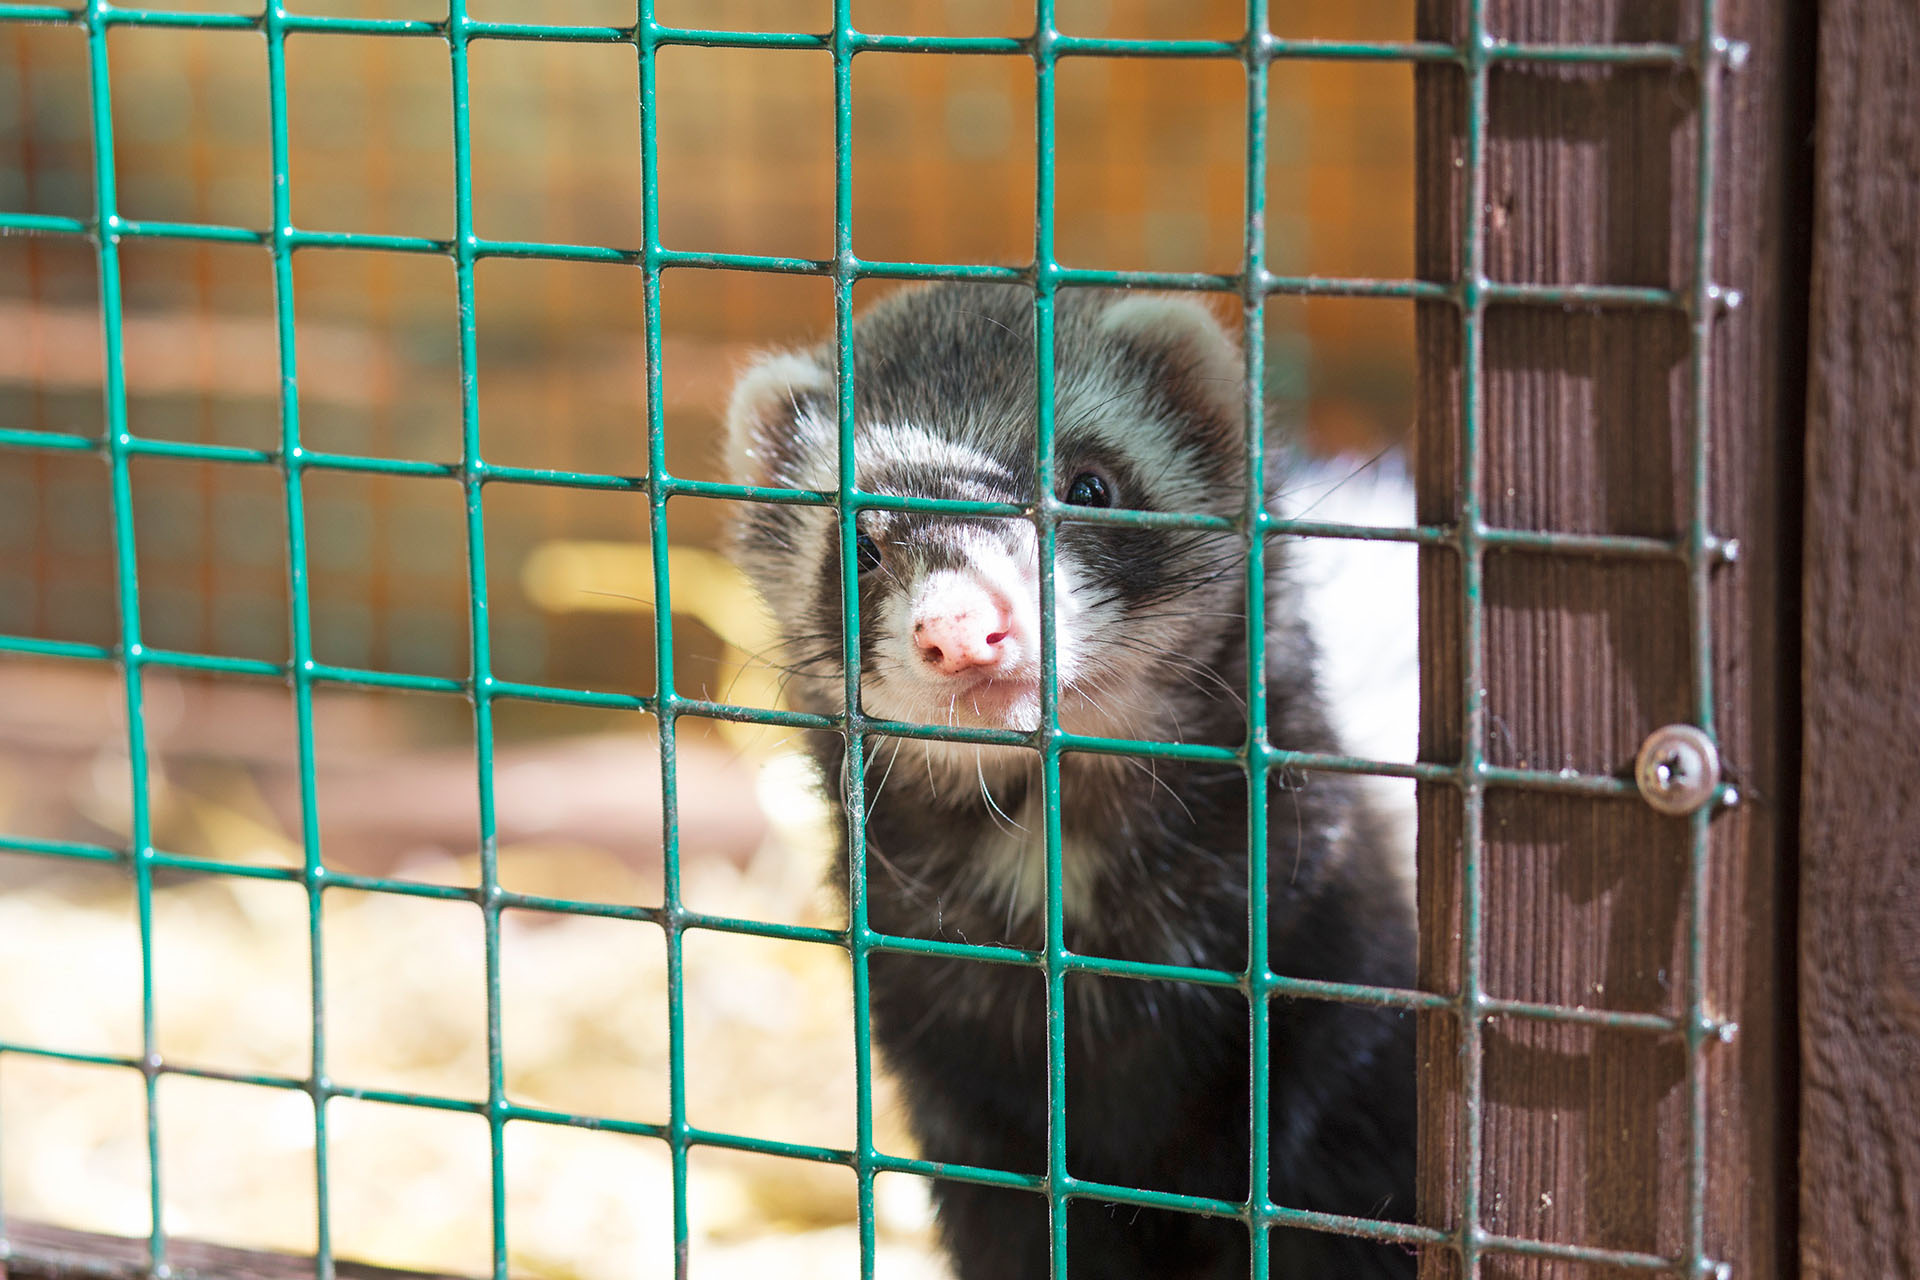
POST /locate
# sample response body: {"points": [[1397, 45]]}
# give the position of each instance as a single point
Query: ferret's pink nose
{"points": [[954, 643]]}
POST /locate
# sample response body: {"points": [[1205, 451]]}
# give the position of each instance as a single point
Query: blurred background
{"points": [[1150, 175]]}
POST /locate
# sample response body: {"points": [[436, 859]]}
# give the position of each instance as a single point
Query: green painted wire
{"points": [[127, 597], [666, 707], [1699, 550], [1256, 756]]}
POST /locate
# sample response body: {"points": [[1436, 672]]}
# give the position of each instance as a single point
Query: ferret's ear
{"points": [[1188, 350], [775, 404]]}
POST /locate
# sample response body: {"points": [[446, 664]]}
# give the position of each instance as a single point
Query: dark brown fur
{"points": [[1157, 1083]]}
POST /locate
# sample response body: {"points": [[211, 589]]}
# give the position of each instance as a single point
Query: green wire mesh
{"points": [[1471, 294]]}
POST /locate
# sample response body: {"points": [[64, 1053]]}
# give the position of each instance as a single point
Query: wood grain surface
{"points": [[1586, 424], [1860, 799], [43, 1252]]}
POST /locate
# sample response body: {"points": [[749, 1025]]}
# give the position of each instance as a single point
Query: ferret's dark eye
{"points": [[1089, 489], [867, 552]]}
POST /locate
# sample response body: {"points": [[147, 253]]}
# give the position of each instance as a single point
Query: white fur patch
{"points": [[1361, 600], [916, 446]]}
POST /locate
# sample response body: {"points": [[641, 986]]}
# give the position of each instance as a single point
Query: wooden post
{"points": [[1860, 795], [1586, 428], [42, 1252]]}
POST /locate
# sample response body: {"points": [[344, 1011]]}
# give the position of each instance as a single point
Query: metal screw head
{"points": [[1678, 769]]}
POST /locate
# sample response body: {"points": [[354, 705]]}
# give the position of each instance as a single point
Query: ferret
{"points": [[1151, 640]]}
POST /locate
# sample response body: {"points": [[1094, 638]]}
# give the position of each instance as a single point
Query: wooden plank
{"points": [[1590, 179], [38, 1251], [1860, 781]]}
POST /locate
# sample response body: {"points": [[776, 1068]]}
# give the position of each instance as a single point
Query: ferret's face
{"points": [[950, 616], [950, 608]]}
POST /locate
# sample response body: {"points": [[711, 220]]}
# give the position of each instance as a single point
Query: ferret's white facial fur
{"points": [[997, 564], [1000, 557]]}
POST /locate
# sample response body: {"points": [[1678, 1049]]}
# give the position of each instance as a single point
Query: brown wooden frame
{"points": [[1587, 418], [1859, 936], [1816, 440], [62, 1254]]}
